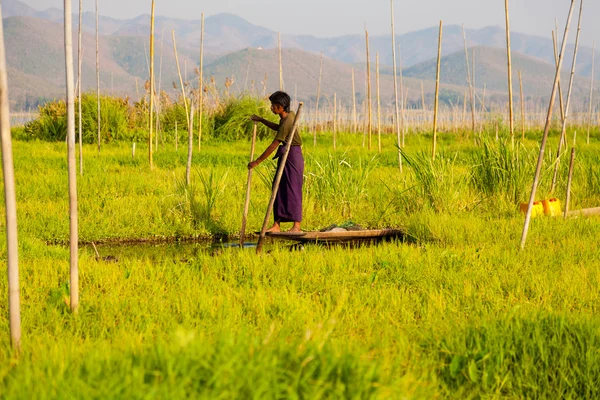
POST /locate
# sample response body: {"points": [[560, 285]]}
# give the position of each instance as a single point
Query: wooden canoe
{"points": [[336, 237]]}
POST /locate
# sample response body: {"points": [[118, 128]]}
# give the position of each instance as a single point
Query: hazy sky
{"points": [[327, 18]]}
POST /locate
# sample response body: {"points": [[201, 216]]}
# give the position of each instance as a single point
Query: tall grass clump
{"points": [[437, 183], [201, 197], [232, 121], [498, 170], [339, 182]]}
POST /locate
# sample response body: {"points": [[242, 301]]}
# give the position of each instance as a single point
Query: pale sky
{"points": [[329, 18]]}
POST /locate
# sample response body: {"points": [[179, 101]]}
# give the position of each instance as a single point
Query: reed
{"points": [[80, 82], [470, 83], [151, 107], [591, 92], [98, 75], [397, 113], [317, 102], [201, 84], [510, 89], [522, 106], [378, 104], [369, 104]]}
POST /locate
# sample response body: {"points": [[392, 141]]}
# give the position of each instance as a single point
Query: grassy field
{"points": [[456, 310]]}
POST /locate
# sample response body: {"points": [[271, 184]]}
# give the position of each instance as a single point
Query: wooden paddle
{"points": [[284, 158], [247, 203]]}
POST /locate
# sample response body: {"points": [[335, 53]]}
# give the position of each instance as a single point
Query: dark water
{"points": [[176, 252]]}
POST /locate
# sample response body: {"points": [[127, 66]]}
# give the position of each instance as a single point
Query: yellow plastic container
{"points": [[552, 207], [538, 208]]}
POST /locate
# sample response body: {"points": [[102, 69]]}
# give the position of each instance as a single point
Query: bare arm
{"points": [[265, 122], [269, 150]]}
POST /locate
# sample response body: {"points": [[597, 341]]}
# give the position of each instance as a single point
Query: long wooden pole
{"points": [[563, 133], [510, 88], [396, 105], [98, 76], [568, 197], [591, 93], [370, 105], [201, 85], [79, 83], [10, 201], [72, 161], [437, 92], [560, 93], [546, 131], [188, 167], [151, 108], [335, 127], [277, 181], [248, 187]]}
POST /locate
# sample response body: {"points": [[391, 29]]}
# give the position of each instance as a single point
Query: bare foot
{"points": [[295, 230], [274, 228]]}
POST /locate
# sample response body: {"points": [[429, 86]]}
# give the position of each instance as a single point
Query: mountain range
{"points": [[246, 53]]}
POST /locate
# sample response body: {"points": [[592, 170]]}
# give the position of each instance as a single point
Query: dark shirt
{"points": [[285, 128]]}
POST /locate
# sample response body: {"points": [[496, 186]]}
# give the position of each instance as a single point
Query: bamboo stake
{"points": [[510, 89], [563, 133], [72, 162], [397, 114], [317, 105], [355, 122], [201, 85], [188, 167], [187, 114], [522, 107], [546, 131], [568, 201], [469, 81], [10, 201], [79, 83], [283, 161], [248, 187], [560, 93], [98, 76], [403, 101], [335, 127], [591, 93], [378, 105], [280, 63], [158, 105], [370, 106], [150, 110], [437, 92]]}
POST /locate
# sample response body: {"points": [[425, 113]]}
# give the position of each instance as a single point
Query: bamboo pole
{"points": [[563, 133], [283, 161], [355, 122], [335, 126], [469, 81], [560, 93], [150, 110], [568, 201], [187, 114], [158, 104], [397, 113], [10, 201], [248, 187], [370, 106], [317, 104], [403, 100], [378, 105], [98, 76], [280, 62], [522, 107], [546, 131], [72, 161], [188, 167], [79, 83], [201, 85], [437, 92], [510, 89], [591, 93]]}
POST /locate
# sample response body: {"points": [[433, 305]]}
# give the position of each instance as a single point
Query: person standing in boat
{"points": [[288, 202]]}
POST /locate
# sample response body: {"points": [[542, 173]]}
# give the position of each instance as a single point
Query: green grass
{"points": [[457, 312]]}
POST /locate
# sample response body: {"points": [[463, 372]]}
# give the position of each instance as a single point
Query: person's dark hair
{"points": [[282, 99]]}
